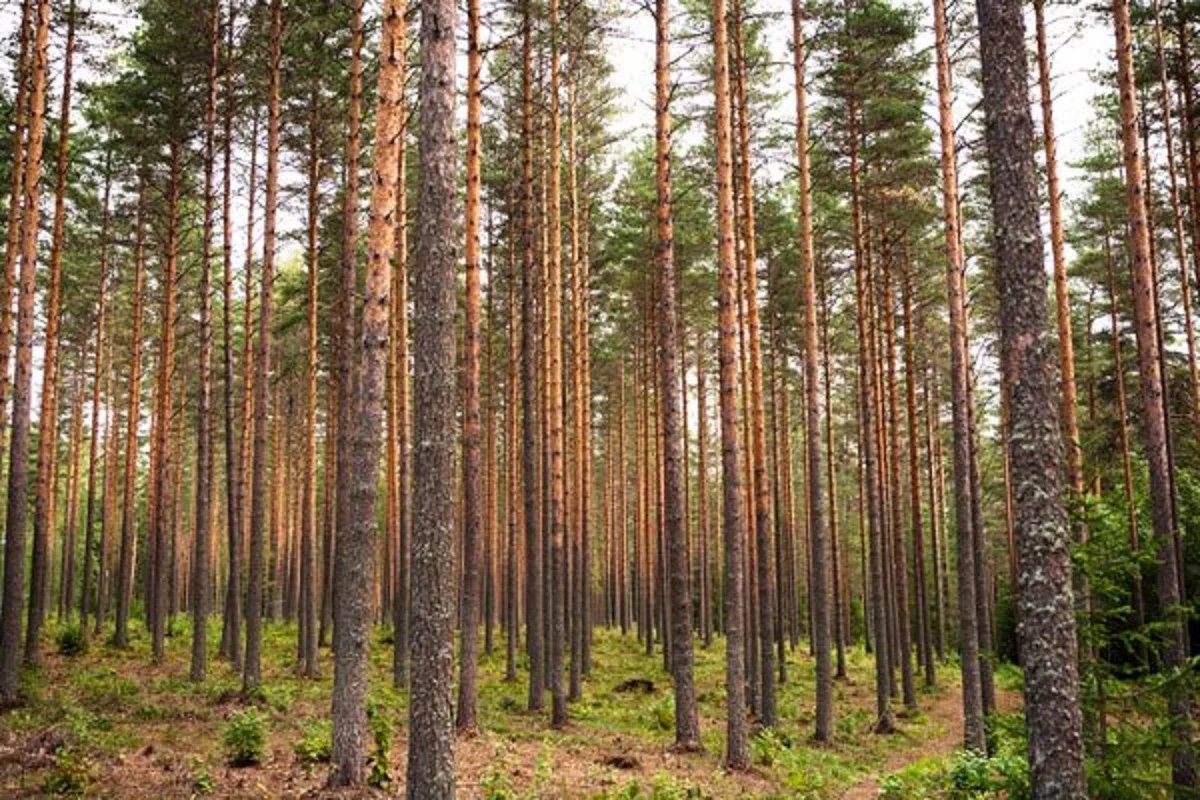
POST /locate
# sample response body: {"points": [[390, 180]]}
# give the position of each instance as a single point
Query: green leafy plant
{"points": [[71, 641], [315, 745], [495, 786], [203, 782], [664, 713], [70, 775], [380, 758], [245, 738]]}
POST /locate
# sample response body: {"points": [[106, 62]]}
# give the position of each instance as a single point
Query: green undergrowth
{"points": [[110, 706]]}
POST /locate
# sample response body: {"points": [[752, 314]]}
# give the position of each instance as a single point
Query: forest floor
{"points": [[109, 723]]}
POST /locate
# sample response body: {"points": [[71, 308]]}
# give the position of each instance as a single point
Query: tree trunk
{"points": [[973, 731], [98, 361], [129, 510], [204, 437], [472, 555], [403, 599], [354, 562], [920, 585], [530, 396], [818, 542], [431, 765], [687, 722], [159, 527], [47, 462], [736, 745], [309, 663], [1139, 603], [1047, 611], [16, 198], [252, 672]]}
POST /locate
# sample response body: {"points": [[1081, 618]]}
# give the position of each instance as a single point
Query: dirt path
{"points": [[946, 709]]}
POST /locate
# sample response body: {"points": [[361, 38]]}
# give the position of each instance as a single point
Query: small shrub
{"points": [[765, 747], [245, 738], [70, 775], [203, 782], [494, 786], [379, 760], [315, 745], [971, 774], [664, 714], [71, 641]]}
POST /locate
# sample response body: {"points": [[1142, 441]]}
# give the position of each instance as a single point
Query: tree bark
{"points": [[431, 772], [47, 462], [252, 671], [687, 722], [204, 437], [1047, 609], [818, 541], [354, 561], [736, 744], [467, 719]]}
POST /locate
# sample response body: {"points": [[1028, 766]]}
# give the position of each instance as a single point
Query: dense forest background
{"points": [[833, 432]]}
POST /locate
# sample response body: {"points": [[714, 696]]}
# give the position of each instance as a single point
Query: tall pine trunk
{"points": [[47, 461], [431, 773], [818, 541], [736, 744], [472, 554], [973, 731], [252, 669], [1047, 611], [687, 722]]}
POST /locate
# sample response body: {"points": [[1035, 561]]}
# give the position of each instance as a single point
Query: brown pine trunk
{"points": [[472, 555], [687, 723], [841, 600], [973, 732], [16, 199], [431, 765], [231, 646], [702, 531], [403, 600], [159, 527], [1047, 612], [1177, 215], [204, 437], [47, 462], [920, 584], [66, 581], [557, 518], [512, 621], [818, 540], [309, 664], [761, 492], [85, 599], [354, 567], [129, 510], [530, 393], [899, 561], [736, 745], [252, 669]]}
